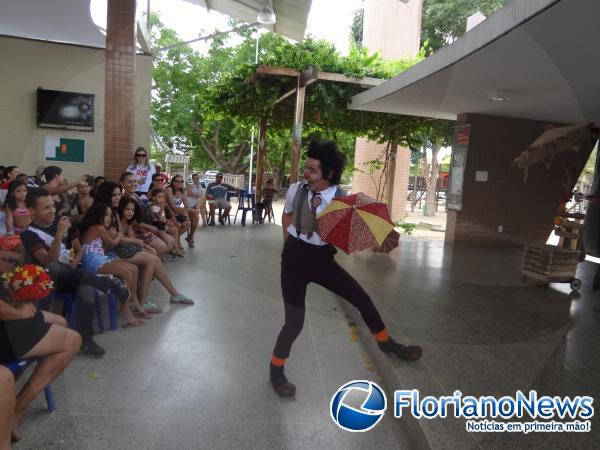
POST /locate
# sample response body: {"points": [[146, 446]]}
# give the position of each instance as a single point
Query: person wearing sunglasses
{"points": [[142, 169]]}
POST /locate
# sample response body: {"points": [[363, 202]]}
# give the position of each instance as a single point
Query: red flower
{"points": [[28, 282]]}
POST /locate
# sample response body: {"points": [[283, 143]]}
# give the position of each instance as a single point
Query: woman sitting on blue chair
{"points": [[7, 406], [28, 333]]}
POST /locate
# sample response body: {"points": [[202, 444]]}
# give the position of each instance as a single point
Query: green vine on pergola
{"points": [[198, 97]]}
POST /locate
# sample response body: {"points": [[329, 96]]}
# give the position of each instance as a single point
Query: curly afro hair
{"points": [[331, 158]]}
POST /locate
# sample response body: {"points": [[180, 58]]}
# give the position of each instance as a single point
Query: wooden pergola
{"points": [[303, 79]]}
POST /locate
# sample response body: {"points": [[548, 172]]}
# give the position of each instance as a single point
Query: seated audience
{"points": [[17, 215], [50, 241], [157, 182], [125, 222], [144, 230], [94, 238], [7, 406], [11, 258], [27, 333], [36, 180], [97, 182], [265, 207], [216, 194], [9, 175], [176, 196], [168, 230], [56, 186], [196, 197], [83, 199], [162, 174], [150, 264]]}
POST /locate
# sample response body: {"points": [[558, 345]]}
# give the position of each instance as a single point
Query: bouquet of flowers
{"points": [[28, 283]]}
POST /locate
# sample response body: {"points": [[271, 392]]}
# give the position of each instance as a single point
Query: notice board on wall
{"points": [[460, 145], [65, 150]]}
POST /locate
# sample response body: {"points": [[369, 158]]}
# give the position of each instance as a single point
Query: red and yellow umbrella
{"points": [[356, 222]]}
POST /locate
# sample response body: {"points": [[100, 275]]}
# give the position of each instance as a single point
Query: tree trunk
{"points": [[231, 164], [415, 191], [431, 179], [278, 174], [261, 157], [391, 177]]}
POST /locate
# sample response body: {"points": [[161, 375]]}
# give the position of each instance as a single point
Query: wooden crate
{"points": [[549, 263], [570, 232]]}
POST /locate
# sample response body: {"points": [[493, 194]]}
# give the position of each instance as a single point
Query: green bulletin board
{"points": [[64, 150]]}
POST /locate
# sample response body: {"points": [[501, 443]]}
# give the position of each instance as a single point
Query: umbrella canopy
{"points": [[389, 243], [355, 222], [554, 141]]}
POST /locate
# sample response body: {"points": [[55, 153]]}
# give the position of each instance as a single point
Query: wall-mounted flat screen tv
{"points": [[67, 110]]}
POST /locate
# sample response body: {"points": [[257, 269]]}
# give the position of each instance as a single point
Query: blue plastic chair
{"points": [[18, 366], [246, 203], [70, 311]]}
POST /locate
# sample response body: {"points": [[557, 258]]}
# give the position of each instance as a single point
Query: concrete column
{"points": [[392, 28], [119, 87]]}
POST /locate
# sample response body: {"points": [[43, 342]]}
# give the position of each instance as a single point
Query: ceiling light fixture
{"points": [[499, 96]]}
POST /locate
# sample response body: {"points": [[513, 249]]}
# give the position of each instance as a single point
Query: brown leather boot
{"points": [[410, 352], [280, 383]]}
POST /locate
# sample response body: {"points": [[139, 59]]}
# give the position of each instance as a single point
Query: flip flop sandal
{"points": [[181, 300], [151, 308]]}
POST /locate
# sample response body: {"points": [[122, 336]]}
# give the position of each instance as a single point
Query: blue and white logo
{"points": [[358, 406]]}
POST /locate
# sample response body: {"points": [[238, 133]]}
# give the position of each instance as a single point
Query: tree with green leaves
{"points": [[181, 114], [444, 21], [356, 30], [434, 135], [206, 105]]}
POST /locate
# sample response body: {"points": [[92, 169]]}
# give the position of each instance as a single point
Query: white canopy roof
{"points": [[292, 15], [540, 54], [70, 21]]}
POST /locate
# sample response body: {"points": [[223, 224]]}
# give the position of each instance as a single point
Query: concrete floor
{"points": [[197, 377]]}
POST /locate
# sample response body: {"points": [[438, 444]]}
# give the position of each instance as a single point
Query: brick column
{"points": [[392, 28], [364, 182], [119, 84], [505, 210]]}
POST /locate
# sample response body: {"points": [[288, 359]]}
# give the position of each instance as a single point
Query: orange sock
{"points": [[382, 336], [277, 361]]}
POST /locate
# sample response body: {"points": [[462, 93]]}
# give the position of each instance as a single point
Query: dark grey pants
{"points": [[303, 263], [80, 284]]}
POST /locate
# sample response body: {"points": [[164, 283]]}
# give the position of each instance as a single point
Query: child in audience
{"points": [[156, 209], [266, 205], [152, 267], [18, 216], [94, 236], [144, 230], [177, 199]]}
